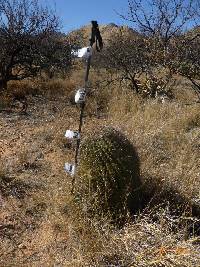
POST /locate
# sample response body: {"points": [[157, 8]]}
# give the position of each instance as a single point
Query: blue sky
{"points": [[76, 13]]}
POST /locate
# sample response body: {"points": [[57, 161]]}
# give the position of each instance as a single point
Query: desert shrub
{"points": [[109, 174]]}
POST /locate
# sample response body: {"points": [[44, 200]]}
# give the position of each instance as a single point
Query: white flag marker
{"points": [[69, 168], [84, 52], [80, 96], [72, 134]]}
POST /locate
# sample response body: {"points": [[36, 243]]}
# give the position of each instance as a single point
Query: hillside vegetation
{"points": [[134, 200], [41, 225]]}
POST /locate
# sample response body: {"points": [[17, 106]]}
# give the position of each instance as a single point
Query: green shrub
{"points": [[108, 174]]}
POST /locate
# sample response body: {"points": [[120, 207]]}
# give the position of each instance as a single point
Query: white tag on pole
{"points": [[84, 52], [69, 168], [72, 134], [80, 96]]}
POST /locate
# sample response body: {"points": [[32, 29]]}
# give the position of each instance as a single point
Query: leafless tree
{"points": [[127, 55], [28, 43], [56, 52], [162, 20], [164, 24], [186, 60]]}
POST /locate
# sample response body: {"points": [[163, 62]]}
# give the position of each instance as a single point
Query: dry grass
{"points": [[47, 88], [167, 136], [19, 91], [42, 225]]}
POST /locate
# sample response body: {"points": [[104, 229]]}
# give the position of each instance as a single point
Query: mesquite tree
{"points": [[55, 52], [186, 60], [127, 56], [28, 44]]}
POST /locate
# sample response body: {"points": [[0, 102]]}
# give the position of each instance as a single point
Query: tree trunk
{"points": [[3, 85], [196, 87], [135, 85]]}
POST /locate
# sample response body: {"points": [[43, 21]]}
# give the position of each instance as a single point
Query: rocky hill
{"points": [[107, 30]]}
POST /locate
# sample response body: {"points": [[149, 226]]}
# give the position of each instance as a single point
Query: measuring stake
{"points": [[81, 96]]}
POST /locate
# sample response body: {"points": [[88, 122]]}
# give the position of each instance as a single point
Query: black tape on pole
{"points": [[96, 36]]}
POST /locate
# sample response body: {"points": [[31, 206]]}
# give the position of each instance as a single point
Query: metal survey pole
{"points": [[82, 108], [82, 93]]}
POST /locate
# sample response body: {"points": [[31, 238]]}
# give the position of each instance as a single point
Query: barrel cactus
{"points": [[108, 174]]}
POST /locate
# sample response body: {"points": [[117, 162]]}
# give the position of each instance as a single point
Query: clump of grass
{"points": [[109, 174], [48, 88], [149, 243], [153, 238], [22, 88], [18, 91], [55, 87]]}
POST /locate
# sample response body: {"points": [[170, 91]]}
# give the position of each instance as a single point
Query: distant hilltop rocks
{"points": [[113, 25], [107, 30], [194, 32]]}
